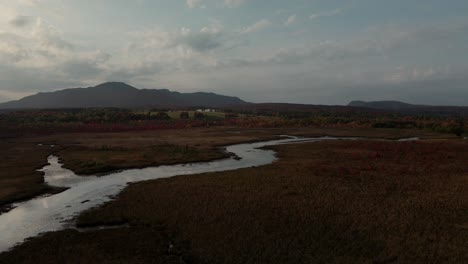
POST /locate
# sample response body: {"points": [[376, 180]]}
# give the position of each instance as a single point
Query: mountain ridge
{"points": [[386, 105], [402, 107], [119, 94]]}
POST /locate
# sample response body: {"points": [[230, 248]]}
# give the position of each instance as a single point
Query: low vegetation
{"points": [[100, 153], [327, 202], [19, 162], [119, 120], [105, 159], [93, 153]]}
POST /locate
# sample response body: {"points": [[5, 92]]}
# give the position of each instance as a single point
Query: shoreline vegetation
{"points": [[335, 202]]}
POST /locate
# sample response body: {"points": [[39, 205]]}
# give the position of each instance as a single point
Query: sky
{"points": [[297, 51]]}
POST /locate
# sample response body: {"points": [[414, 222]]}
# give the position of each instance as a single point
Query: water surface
{"points": [[56, 212]]}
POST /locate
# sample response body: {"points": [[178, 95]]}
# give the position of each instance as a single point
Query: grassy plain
{"points": [[326, 202]]}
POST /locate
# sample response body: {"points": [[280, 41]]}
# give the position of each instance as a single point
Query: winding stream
{"points": [[56, 212]]}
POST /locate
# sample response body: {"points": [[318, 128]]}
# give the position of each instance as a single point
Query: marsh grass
{"points": [[19, 178], [326, 202], [101, 153], [106, 159]]}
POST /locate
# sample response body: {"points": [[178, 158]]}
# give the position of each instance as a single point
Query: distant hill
{"points": [[271, 108], [120, 95], [410, 108], [383, 105]]}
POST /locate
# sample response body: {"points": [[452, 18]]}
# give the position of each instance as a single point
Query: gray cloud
{"points": [[3, 99], [234, 3], [11, 48], [257, 26], [39, 46], [82, 69], [194, 3], [202, 41], [137, 71], [206, 39], [291, 20], [326, 13], [22, 21], [381, 42], [32, 80]]}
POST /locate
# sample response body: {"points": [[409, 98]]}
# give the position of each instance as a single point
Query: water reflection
{"points": [[53, 213]]}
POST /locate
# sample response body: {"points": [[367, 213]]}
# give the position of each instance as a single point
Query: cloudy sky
{"points": [[300, 51]]}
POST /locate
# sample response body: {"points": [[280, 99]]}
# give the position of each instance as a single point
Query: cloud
{"points": [[208, 38], [3, 99], [377, 48], [291, 20], [82, 68], [22, 21], [36, 46], [29, 2], [258, 26], [227, 3], [326, 13], [234, 3], [17, 82], [7, 14], [156, 51], [194, 3], [11, 49], [40, 51], [49, 37]]}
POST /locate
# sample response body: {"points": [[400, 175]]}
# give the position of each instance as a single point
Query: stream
{"points": [[56, 212]]}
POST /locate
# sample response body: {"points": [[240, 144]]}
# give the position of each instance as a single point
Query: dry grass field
{"points": [[327, 202]]}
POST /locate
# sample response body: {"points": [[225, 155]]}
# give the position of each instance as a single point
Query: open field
{"points": [[327, 202]]}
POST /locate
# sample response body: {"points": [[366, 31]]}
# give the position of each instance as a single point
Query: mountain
{"points": [[121, 95], [401, 107], [384, 105]]}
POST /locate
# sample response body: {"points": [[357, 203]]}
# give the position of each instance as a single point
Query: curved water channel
{"points": [[56, 212]]}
